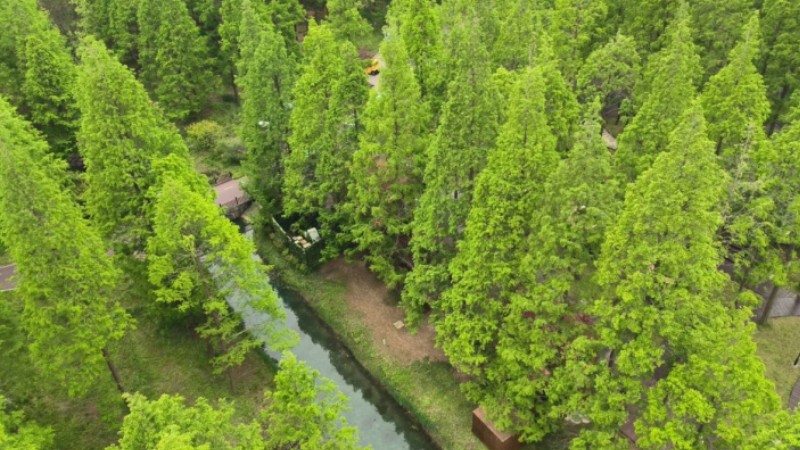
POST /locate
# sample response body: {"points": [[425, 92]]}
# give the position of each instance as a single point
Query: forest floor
{"points": [[158, 357], [778, 344]]}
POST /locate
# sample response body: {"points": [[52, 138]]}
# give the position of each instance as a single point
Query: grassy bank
{"points": [[777, 348], [156, 358], [426, 389]]}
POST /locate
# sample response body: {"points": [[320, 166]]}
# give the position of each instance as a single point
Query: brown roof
{"points": [[229, 192]]}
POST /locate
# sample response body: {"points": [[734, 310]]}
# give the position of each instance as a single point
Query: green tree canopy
{"points": [[735, 101], [479, 312], [266, 85], [610, 73], [666, 91], [344, 17], [519, 25], [20, 434], [561, 105], [467, 132], [759, 231], [778, 431], [70, 313], [717, 28], [286, 15], [386, 178], [647, 22], [326, 123], [20, 18], [113, 22], [48, 89], [664, 318], [769, 222], [230, 19], [37, 73], [780, 61], [173, 57], [198, 261], [122, 133], [576, 28], [420, 28], [305, 411], [168, 424]]}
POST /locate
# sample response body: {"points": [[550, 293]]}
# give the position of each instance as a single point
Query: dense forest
{"points": [[594, 203]]}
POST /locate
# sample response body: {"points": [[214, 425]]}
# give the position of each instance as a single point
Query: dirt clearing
{"points": [[367, 295]]}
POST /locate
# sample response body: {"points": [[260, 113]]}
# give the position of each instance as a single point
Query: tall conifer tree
{"points": [[561, 105], [325, 123], [48, 89], [266, 85], [387, 172], [576, 29], [420, 28], [37, 73], [487, 280], [780, 60], [717, 26], [173, 57], [122, 133], [518, 28], [344, 17], [286, 15], [647, 22], [466, 133], [113, 22], [65, 279], [664, 317], [301, 396], [198, 260], [668, 89], [735, 101], [610, 73]]}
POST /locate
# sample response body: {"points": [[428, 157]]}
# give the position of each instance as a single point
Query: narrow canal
{"points": [[382, 423]]}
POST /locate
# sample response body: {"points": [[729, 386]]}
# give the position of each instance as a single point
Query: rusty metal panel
{"points": [[493, 438]]}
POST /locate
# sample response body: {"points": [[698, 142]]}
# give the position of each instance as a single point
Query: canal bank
{"points": [[425, 388], [382, 422]]}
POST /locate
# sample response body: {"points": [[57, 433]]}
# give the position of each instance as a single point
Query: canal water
{"points": [[382, 423]]}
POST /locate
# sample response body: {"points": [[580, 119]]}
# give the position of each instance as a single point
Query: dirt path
{"points": [[6, 272], [369, 296]]}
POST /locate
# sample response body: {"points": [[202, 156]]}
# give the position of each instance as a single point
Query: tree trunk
{"points": [[768, 305], [742, 281], [113, 369], [778, 110], [229, 370], [235, 89]]}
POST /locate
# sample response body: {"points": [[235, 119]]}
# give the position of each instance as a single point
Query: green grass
{"points": [[777, 342], [157, 358], [426, 389]]}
